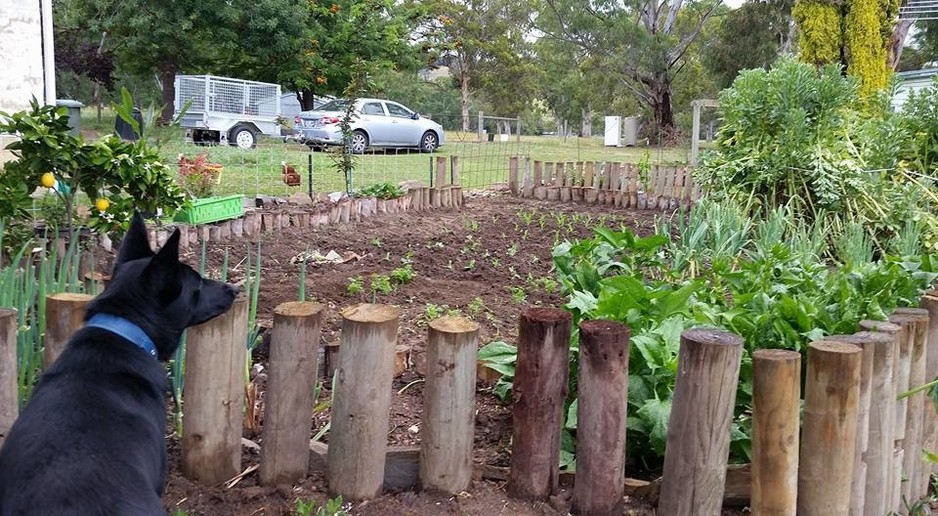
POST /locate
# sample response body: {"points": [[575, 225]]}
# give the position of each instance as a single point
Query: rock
{"points": [[300, 198], [411, 184], [335, 197]]}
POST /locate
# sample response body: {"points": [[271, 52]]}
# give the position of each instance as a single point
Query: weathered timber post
{"points": [[701, 416], [601, 413], [65, 314], [214, 394], [9, 390], [892, 460], [776, 399], [358, 438], [449, 405], [930, 302], [864, 452], [513, 175], [903, 384], [912, 460], [540, 387], [294, 352], [829, 432]]}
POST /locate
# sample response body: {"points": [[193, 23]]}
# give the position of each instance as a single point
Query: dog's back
{"points": [[91, 440]]}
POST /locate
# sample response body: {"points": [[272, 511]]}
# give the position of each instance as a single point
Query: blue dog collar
{"points": [[124, 328]]}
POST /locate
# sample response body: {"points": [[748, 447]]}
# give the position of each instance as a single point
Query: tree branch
{"points": [[681, 48]]}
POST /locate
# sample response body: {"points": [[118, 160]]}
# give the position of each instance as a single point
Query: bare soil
{"points": [[487, 261]]}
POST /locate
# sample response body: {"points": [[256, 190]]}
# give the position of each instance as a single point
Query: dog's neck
{"points": [[124, 328]]}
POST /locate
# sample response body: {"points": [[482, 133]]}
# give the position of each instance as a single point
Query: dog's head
{"points": [[157, 292]]}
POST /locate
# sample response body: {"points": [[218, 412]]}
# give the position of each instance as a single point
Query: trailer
{"points": [[227, 111]]}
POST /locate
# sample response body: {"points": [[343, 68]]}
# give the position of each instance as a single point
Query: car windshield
{"points": [[335, 105]]}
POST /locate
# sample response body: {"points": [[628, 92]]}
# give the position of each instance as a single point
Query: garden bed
{"points": [[488, 261]]}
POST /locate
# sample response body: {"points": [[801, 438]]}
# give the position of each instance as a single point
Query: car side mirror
{"points": [[415, 116]]}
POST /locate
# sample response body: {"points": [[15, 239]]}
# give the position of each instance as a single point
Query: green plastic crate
{"points": [[212, 209]]}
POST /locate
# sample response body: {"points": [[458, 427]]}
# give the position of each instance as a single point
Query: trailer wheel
{"points": [[242, 136]]}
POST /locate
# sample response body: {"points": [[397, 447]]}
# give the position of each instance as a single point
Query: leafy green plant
{"points": [[403, 275], [518, 294], [197, 176], [381, 284], [500, 357], [381, 191], [119, 175], [355, 286]]}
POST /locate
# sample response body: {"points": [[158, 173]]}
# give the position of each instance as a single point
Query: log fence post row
{"points": [[930, 302], [912, 464], [698, 443], [608, 183], [9, 392], [214, 393]]}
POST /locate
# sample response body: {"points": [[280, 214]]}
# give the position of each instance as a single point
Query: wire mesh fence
{"points": [[260, 171]]}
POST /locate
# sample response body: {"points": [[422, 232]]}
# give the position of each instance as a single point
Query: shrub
{"points": [[198, 176]]}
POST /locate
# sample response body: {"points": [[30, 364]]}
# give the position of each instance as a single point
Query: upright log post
{"points": [[829, 432], [294, 354], [512, 175], [912, 460], [930, 302], [9, 391], [362, 400], [601, 414], [65, 314], [701, 416], [449, 405], [776, 399], [214, 394], [869, 458], [540, 387], [886, 401], [903, 383]]}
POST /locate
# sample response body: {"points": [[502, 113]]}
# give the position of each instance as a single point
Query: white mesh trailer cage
{"points": [[226, 110]]}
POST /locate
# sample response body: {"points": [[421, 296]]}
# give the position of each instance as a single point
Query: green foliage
{"points": [[403, 275], [333, 507], [500, 357], [820, 31], [198, 176], [128, 175], [866, 46], [381, 284], [801, 137], [381, 191], [355, 286]]}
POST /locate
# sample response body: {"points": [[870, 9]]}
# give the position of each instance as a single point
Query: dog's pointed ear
{"points": [[169, 253], [136, 243]]}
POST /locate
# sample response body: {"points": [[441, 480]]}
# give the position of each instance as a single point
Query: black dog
{"points": [[91, 440]]}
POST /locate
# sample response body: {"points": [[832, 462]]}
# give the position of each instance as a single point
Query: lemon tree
{"points": [[118, 175]]}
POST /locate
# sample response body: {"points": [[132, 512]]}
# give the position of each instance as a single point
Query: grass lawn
{"points": [[258, 171]]}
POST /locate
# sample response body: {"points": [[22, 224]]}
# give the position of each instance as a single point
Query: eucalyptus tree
{"points": [[642, 44]]}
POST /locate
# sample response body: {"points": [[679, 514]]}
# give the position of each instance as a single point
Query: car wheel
{"points": [[359, 142], [242, 136], [429, 142]]}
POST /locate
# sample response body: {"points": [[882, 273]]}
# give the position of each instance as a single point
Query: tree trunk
{"points": [[586, 123], [661, 106], [306, 98], [464, 97], [896, 42], [168, 81]]}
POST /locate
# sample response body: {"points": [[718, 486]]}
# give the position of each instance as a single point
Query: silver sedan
{"points": [[375, 123]]}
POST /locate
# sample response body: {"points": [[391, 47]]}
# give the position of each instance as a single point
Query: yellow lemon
{"points": [[47, 180], [102, 204]]}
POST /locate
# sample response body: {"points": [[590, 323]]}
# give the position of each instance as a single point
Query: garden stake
{"points": [[9, 390]]}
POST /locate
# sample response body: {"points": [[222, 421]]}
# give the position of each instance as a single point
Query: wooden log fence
{"points": [[856, 452], [623, 185]]}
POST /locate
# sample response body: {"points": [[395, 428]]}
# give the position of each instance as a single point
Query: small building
{"points": [[912, 80], [26, 58]]}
